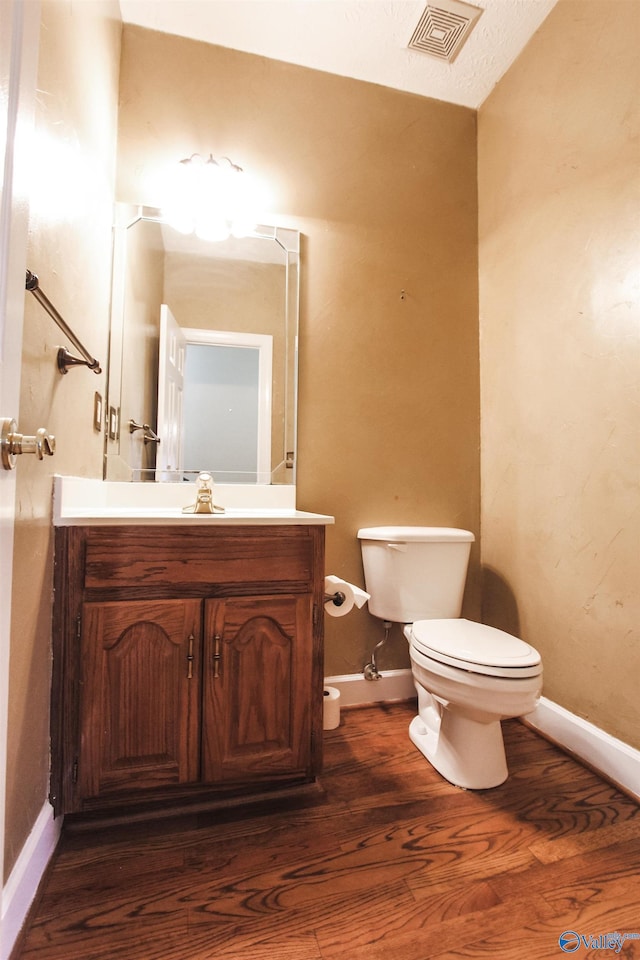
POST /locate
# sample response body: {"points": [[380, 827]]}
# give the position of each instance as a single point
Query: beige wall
{"points": [[559, 172], [383, 187], [70, 251]]}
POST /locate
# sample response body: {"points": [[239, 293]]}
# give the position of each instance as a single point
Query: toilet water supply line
{"points": [[371, 670], [340, 597]]}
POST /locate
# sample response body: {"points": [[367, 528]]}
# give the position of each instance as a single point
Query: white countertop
{"points": [[99, 502]]}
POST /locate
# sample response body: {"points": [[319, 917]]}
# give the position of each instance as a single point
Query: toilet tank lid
{"points": [[416, 534]]}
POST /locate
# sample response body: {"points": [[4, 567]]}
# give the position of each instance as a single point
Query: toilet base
{"points": [[466, 750]]}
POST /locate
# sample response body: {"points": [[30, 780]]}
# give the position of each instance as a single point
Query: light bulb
{"points": [[212, 197], [212, 229]]}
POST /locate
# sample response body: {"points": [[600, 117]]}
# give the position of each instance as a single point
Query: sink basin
{"points": [[78, 500]]}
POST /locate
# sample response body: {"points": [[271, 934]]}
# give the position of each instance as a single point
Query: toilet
{"points": [[468, 676]]}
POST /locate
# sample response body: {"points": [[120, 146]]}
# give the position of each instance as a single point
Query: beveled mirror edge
{"points": [[115, 467]]}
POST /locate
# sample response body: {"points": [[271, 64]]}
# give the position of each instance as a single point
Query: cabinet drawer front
{"points": [[126, 557]]}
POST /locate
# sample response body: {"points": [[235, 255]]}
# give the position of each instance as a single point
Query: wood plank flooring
{"points": [[387, 861]]}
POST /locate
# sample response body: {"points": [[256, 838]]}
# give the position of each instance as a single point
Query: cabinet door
{"points": [[257, 681], [140, 694]]}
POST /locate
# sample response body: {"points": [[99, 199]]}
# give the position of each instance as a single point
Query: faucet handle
{"points": [[204, 496]]}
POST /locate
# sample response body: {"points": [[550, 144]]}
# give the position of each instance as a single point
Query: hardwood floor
{"points": [[387, 861]]}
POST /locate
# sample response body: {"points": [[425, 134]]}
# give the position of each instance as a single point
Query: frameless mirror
{"points": [[203, 354]]}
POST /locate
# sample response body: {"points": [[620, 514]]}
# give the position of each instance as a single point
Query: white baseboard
{"points": [[612, 758], [24, 880], [355, 691]]}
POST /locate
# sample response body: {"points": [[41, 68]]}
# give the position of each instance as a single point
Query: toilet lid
{"points": [[476, 647]]}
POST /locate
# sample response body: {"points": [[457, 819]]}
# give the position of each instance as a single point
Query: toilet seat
{"points": [[475, 647]]}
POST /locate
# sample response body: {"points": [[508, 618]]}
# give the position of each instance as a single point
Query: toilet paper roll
{"points": [[331, 709], [353, 596]]}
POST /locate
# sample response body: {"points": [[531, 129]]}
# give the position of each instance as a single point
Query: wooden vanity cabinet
{"points": [[187, 664]]}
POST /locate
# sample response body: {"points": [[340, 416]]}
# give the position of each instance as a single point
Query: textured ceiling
{"points": [[363, 39]]}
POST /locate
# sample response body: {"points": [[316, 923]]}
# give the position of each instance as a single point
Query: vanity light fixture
{"points": [[210, 198]]}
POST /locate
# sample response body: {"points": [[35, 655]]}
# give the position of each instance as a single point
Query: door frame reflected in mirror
{"points": [[210, 411]]}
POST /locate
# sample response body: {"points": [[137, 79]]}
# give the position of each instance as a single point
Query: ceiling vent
{"points": [[444, 28]]}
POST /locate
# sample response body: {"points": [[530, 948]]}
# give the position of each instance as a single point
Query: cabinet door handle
{"points": [[217, 656], [190, 657]]}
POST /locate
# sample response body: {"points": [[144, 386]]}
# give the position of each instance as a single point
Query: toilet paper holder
{"points": [[337, 598], [340, 596]]}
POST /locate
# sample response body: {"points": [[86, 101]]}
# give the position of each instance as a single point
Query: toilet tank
{"points": [[415, 573]]}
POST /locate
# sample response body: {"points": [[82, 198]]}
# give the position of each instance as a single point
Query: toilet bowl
{"points": [[468, 676]]}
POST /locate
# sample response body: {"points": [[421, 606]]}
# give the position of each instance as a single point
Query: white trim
{"points": [[355, 691], [607, 756], [611, 758], [19, 40], [21, 887]]}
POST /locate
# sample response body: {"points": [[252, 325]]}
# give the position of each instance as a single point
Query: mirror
{"points": [[203, 354]]}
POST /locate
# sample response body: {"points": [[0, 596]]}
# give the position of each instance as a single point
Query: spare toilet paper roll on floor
{"points": [[353, 596], [331, 712]]}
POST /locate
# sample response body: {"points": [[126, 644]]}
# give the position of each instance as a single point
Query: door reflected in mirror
{"points": [[204, 350]]}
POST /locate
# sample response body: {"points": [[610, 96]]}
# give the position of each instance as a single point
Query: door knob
{"points": [[12, 443]]}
